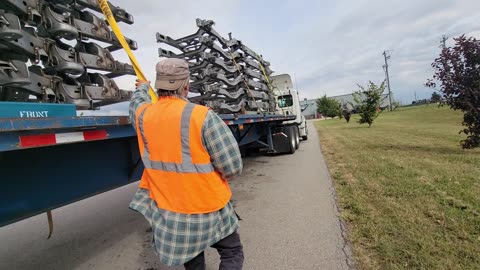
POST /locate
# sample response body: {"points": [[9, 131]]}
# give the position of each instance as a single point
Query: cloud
{"points": [[327, 46], [351, 49]]}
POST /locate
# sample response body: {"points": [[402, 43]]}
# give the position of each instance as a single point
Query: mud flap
{"points": [[281, 142]]}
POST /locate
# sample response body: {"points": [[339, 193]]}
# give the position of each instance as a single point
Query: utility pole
{"points": [[386, 56], [296, 84], [443, 41]]}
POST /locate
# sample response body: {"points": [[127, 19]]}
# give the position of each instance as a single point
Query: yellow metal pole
{"points": [[118, 33]]}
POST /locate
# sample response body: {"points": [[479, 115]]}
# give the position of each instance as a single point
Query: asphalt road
{"points": [[287, 204]]}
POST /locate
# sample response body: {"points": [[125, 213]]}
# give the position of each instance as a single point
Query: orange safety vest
{"points": [[178, 169]]}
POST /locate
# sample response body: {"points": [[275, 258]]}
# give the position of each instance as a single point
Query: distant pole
{"points": [[296, 84], [443, 42], [386, 56]]}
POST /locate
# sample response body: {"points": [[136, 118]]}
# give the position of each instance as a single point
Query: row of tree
{"points": [[367, 102]]}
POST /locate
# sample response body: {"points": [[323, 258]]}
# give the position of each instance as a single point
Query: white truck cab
{"points": [[288, 103]]}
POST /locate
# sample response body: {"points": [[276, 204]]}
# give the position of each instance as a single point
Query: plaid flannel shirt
{"points": [[177, 237]]}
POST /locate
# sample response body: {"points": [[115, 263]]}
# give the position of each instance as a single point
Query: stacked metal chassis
{"points": [[227, 75], [49, 53]]}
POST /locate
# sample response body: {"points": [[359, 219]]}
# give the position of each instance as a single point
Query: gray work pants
{"points": [[231, 255]]}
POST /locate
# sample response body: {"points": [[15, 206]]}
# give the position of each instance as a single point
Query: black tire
{"points": [[290, 132], [297, 137], [305, 137]]}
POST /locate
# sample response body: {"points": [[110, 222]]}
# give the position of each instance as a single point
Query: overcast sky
{"points": [[327, 46]]}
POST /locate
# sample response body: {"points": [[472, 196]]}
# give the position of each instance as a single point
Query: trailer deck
{"points": [[46, 163]]}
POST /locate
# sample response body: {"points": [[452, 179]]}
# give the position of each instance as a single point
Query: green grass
{"points": [[407, 191]]}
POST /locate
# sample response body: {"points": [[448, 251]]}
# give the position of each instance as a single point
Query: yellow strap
{"points": [[244, 81], [264, 72], [118, 33], [268, 80]]}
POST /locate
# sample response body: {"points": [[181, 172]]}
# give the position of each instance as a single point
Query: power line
{"points": [[386, 56]]}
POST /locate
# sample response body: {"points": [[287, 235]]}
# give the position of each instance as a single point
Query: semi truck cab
{"points": [[288, 103]]}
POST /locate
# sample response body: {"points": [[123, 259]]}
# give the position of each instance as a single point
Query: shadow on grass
{"points": [[443, 150], [345, 127]]}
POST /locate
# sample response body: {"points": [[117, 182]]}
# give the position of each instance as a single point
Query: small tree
{"points": [[458, 70], [436, 97], [328, 107], [346, 113], [368, 102]]}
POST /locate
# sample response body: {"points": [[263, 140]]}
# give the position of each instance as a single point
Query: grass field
{"points": [[407, 191]]}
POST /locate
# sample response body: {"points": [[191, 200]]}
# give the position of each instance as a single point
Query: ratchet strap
{"points": [[118, 33]]}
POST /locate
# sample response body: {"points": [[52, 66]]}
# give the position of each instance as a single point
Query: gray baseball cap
{"points": [[172, 73]]}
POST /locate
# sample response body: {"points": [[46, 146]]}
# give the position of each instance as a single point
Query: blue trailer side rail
{"points": [[255, 131], [48, 175], [232, 119], [38, 174], [13, 130]]}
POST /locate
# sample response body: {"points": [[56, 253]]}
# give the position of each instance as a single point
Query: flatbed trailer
{"points": [[49, 162]]}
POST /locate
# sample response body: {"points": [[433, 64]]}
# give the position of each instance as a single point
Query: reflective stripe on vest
{"points": [[187, 165]]}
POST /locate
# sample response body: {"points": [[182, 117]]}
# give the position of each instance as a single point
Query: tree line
{"points": [[456, 81]]}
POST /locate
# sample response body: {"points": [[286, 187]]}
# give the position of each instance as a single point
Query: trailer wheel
{"points": [[290, 132]]}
